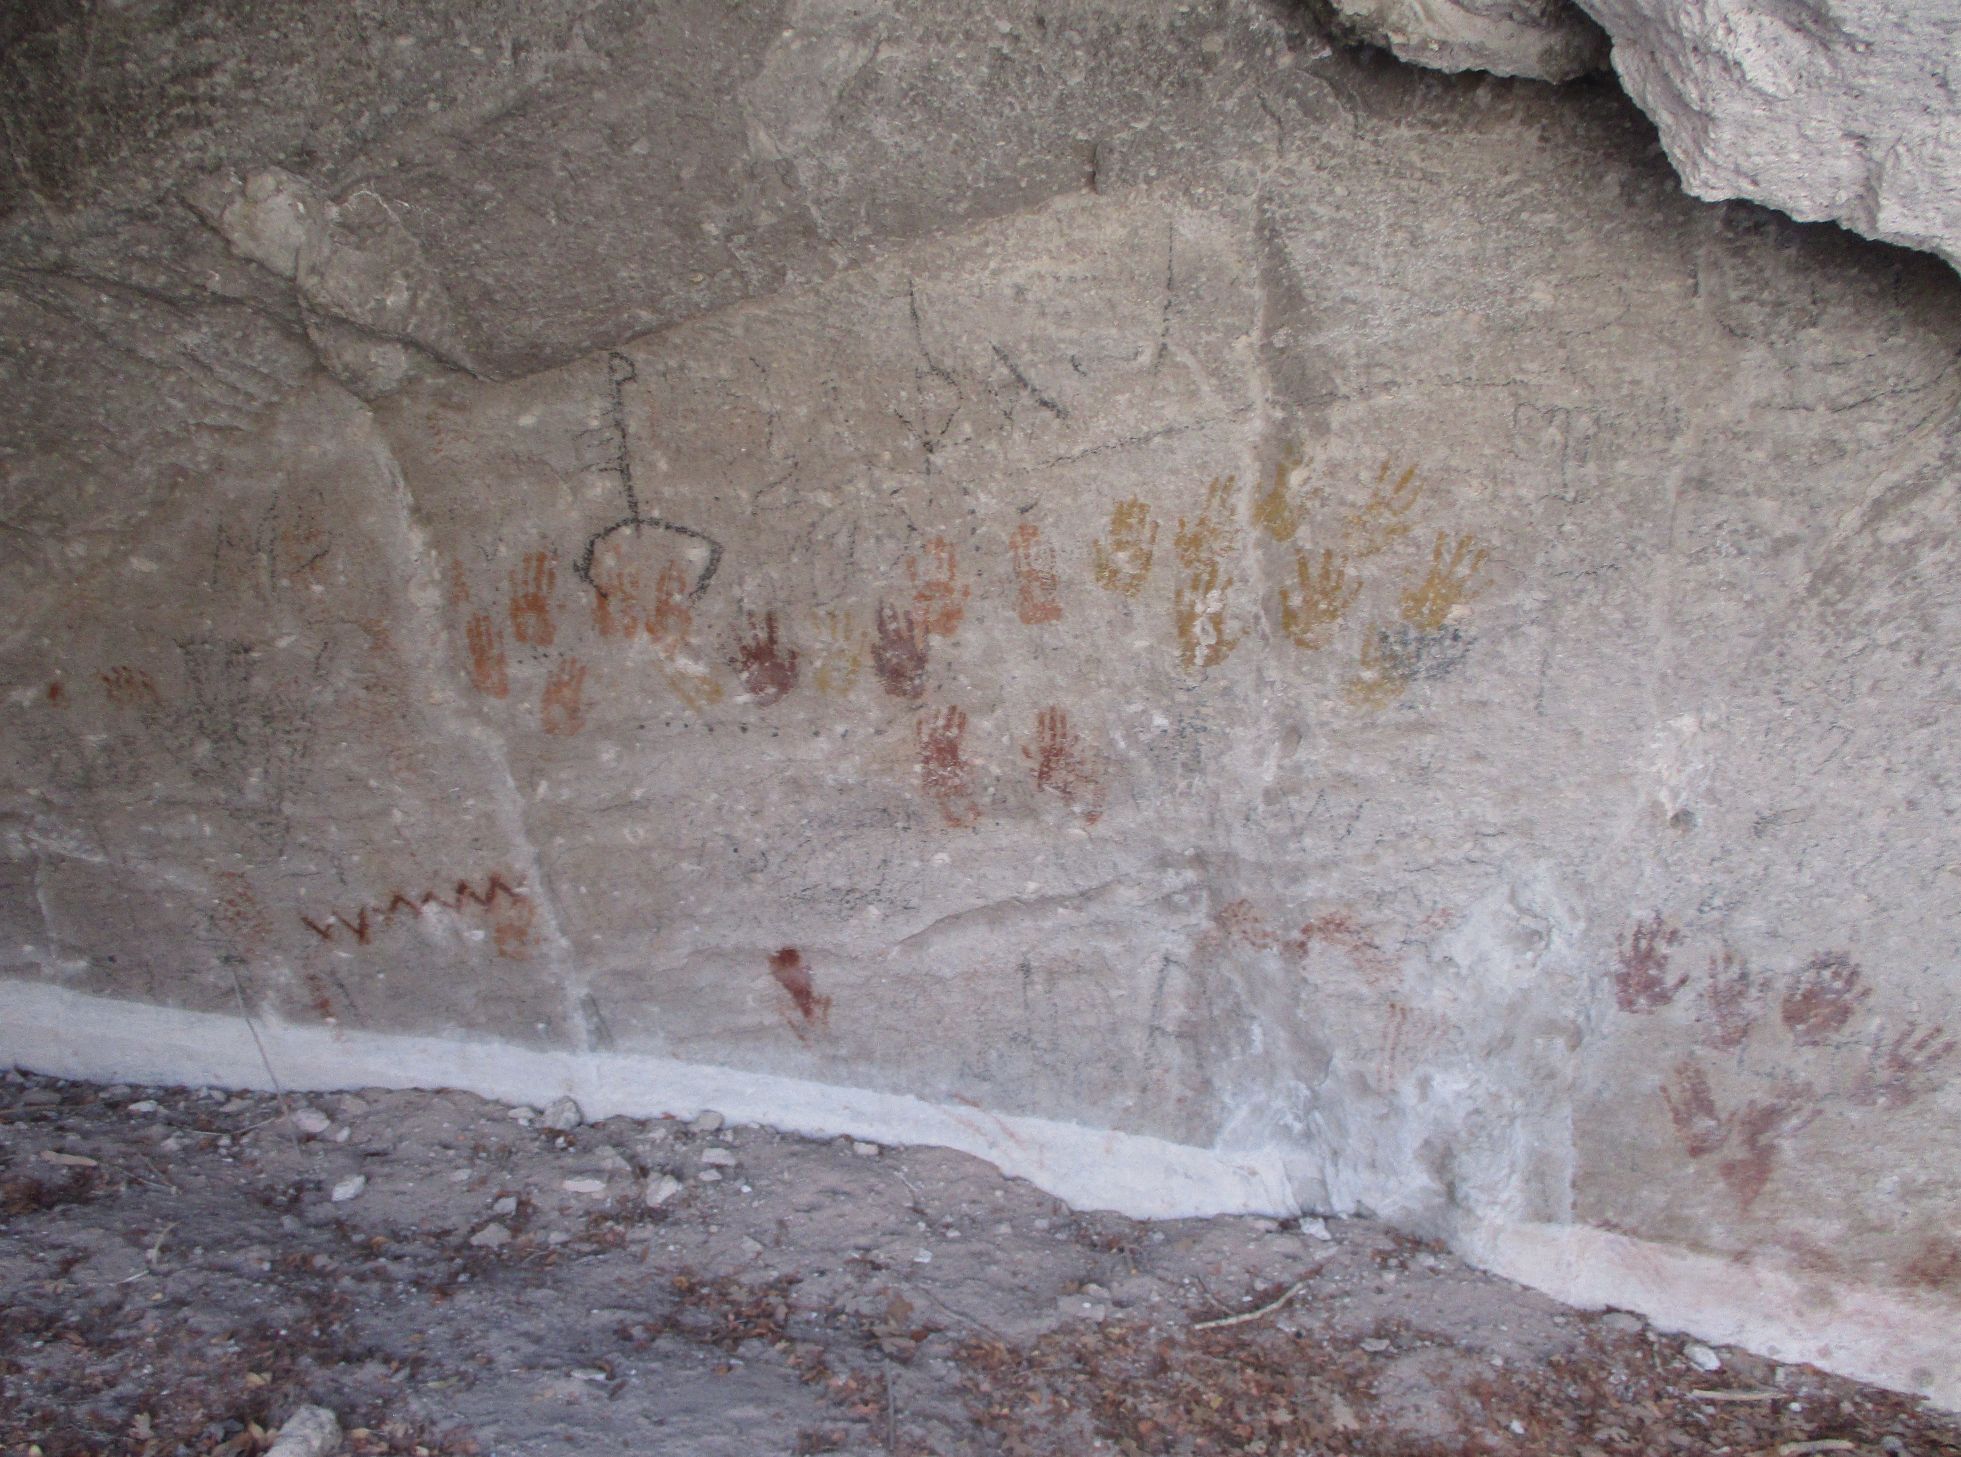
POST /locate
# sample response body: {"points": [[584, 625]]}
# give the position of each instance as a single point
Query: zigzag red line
{"points": [[363, 928]]}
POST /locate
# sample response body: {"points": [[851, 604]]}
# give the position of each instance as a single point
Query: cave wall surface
{"points": [[1225, 623]]}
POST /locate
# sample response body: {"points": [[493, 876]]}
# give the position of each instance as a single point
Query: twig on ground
{"points": [[1268, 1309]]}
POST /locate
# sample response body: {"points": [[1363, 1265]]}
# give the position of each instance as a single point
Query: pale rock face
{"points": [[1838, 110], [1547, 40], [1228, 625]]}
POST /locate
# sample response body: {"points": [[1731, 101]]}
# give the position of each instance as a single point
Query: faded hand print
{"points": [[1036, 582], [489, 670], [1310, 611], [1063, 766], [1121, 562], [939, 598], [562, 710], [531, 592]]}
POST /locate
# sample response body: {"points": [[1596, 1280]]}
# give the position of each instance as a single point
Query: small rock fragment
{"points": [[1701, 1357], [67, 1160], [718, 1158], [311, 1121], [490, 1237], [707, 1121], [1316, 1228], [1625, 1322], [562, 1115], [349, 1188], [312, 1431], [583, 1186], [506, 1205], [710, 1176], [1375, 1345], [864, 1150], [142, 1105], [523, 1113], [660, 1189]]}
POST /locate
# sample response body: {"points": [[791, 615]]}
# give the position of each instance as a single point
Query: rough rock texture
{"points": [[1228, 624], [1548, 40], [1837, 110]]}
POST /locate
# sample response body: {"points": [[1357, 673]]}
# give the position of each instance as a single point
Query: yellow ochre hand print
{"points": [[1309, 613], [1200, 602], [1278, 512], [1378, 523], [1123, 562], [1200, 605], [1200, 543], [839, 654], [1428, 605]]}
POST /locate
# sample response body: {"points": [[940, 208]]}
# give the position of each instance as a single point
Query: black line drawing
{"points": [[620, 373]]}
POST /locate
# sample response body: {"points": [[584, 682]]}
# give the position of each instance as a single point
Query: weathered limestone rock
{"points": [[1135, 620], [1547, 40], [1838, 110]]}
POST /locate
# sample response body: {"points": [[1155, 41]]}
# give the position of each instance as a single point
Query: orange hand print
{"points": [[938, 595], [673, 619], [899, 651], [1036, 582], [1122, 562], [1063, 767], [767, 669], [945, 773], [488, 667], [1309, 612], [561, 710], [531, 604], [618, 605]]}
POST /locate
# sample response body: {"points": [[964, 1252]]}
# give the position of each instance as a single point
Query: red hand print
{"points": [[945, 773], [1036, 582], [1063, 767], [768, 670], [561, 711], [899, 652]]}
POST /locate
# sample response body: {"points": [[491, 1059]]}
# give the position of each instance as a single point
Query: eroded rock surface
{"points": [[1547, 40], [1227, 624], [1834, 110]]}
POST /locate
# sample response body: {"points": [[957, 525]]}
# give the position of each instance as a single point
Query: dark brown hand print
{"points": [[1063, 767], [943, 770], [1822, 998], [1036, 580], [1641, 981], [899, 651], [767, 668], [1754, 1131], [531, 599], [488, 668]]}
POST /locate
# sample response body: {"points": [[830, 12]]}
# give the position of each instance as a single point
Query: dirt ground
{"points": [[181, 1269]]}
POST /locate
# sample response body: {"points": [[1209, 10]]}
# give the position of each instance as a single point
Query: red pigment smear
{"points": [[793, 975]]}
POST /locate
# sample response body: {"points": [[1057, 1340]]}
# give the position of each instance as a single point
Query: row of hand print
{"points": [[1786, 1078], [1321, 585]]}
